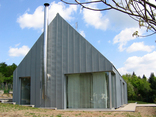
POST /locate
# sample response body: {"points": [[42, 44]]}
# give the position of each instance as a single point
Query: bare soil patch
{"points": [[146, 111], [5, 96], [9, 110]]}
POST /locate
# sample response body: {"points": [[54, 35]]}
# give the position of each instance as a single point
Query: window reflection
{"points": [[88, 90], [25, 91]]}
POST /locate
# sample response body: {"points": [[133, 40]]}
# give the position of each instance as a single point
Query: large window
{"points": [[87, 90]]}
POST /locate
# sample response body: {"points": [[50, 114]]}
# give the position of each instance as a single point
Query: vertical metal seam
{"points": [[110, 90], [80, 51], [99, 61], [16, 83], [68, 50], [91, 60], [85, 55], [30, 77], [74, 50], [56, 56], [62, 64], [35, 74]]}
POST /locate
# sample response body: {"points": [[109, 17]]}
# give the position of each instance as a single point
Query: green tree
{"points": [[133, 74], [152, 81], [1, 78], [10, 69], [137, 88], [152, 93], [7, 71], [3, 68], [8, 79], [130, 87], [144, 77]]}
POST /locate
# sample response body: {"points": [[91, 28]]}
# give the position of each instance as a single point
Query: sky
{"points": [[21, 24]]}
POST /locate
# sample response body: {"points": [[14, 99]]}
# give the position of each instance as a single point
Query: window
{"points": [[87, 90]]}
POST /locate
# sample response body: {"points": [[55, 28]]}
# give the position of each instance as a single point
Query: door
{"points": [[25, 91]]}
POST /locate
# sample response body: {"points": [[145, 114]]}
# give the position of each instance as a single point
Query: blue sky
{"points": [[21, 23]]}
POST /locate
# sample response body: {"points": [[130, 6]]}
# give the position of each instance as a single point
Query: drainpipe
{"points": [[45, 44]]}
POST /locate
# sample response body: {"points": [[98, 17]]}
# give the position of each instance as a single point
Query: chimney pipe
{"points": [[45, 44]]}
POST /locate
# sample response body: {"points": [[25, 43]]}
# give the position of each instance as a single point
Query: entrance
{"points": [[25, 91]]}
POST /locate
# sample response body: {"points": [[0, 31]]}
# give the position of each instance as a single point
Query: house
{"points": [[78, 75]]}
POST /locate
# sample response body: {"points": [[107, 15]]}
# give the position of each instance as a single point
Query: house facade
{"points": [[78, 75]]}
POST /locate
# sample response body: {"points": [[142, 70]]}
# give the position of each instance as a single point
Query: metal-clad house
{"points": [[78, 75]]}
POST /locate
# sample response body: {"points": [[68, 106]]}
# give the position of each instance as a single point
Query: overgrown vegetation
{"points": [[141, 89], [6, 73]]}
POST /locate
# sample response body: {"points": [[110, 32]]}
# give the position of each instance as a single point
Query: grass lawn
{"points": [[139, 102], [9, 110]]}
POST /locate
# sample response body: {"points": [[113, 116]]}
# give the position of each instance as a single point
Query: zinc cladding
{"points": [[68, 53]]}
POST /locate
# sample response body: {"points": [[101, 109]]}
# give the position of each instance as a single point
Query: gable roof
{"points": [[77, 55]]}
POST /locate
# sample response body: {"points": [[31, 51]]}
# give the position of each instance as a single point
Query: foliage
{"points": [[6, 72], [152, 93], [143, 11], [130, 87], [138, 102], [137, 87], [1, 78]]}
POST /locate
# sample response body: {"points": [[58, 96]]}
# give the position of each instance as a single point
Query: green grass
{"points": [[139, 102], [17, 110]]}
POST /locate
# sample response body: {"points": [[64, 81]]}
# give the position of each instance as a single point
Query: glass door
{"points": [[25, 91]]}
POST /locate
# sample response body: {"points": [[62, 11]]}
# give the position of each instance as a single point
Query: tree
{"points": [[152, 93], [130, 87], [142, 11], [133, 74], [8, 79], [152, 81], [3, 69], [137, 88], [1, 78], [7, 71], [144, 77]]}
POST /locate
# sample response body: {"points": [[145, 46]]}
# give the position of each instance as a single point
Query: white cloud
{"points": [[17, 44], [140, 65], [15, 52], [119, 20], [124, 36], [35, 20], [95, 18], [82, 33], [99, 41], [139, 46]]}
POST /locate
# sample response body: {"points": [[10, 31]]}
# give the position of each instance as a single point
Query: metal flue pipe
{"points": [[45, 44]]}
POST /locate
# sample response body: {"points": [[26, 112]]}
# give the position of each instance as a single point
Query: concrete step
{"points": [[6, 100], [9, 102], [29, 105]]}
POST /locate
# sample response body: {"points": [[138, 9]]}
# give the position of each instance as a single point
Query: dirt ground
{"points": [[9, 110], [2, 96]]}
